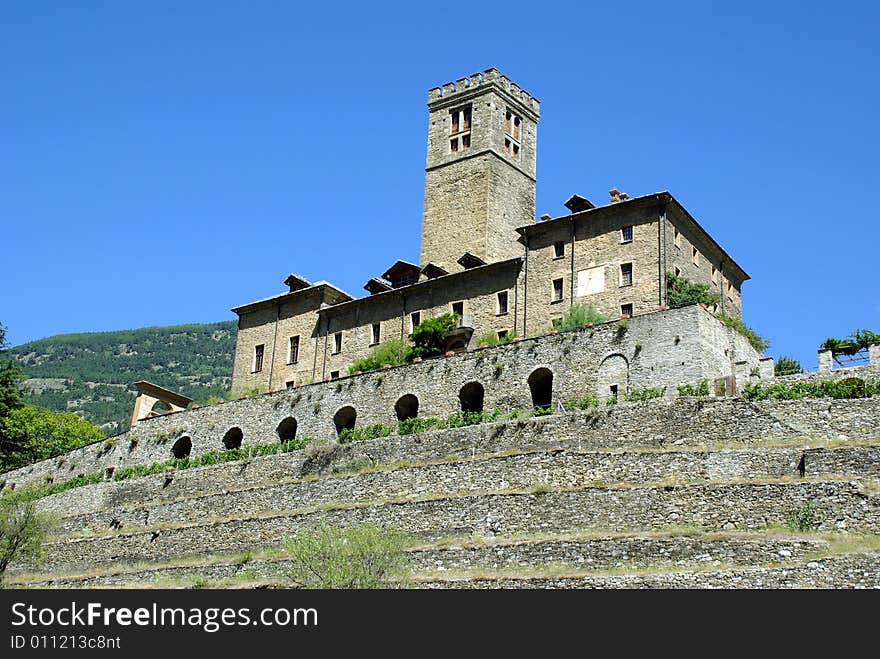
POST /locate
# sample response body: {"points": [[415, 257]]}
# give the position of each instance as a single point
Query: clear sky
{"points": [[161, 162]]}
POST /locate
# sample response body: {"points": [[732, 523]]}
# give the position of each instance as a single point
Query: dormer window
{"points": [[460, 133], [512, 134]]}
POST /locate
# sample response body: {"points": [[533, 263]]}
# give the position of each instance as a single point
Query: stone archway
{"points": [[613, 376], [541, 387], [344, 419], [406, 407], [471, 397], [182, 447], [233, 437], [287, 429]]}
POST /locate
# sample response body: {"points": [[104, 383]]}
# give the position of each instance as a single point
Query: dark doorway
{"points": [[471, 397], [541, 386]]}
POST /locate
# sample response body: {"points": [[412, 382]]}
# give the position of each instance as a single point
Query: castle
{"points": [[483, 256]]}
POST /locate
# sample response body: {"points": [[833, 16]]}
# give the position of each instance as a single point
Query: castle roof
{"points": [[331, 295], [663, 197]]}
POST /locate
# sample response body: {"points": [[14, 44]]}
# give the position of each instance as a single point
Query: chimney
{"points": [[617, 195], [545, 217]]}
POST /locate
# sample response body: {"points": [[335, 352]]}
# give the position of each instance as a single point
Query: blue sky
{"points": [[162, 162]]}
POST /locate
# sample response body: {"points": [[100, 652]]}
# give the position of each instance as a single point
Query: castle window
{"points": [[334, 375], [557, 290], [626, 274], [677, 271], [558, 249], [259, 351], [696, 257], [460, 133], [512, 132], [502, 334], [337, 343], [626, 310], [377, 333], [676, 238], [502, 303], [714, 276], [626, 234], [414, 320], [293, 350], [458, 308]]}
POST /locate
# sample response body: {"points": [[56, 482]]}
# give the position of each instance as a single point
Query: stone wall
{"points": [[657, 350]]}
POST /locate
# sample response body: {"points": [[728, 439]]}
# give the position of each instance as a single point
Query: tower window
{"points": [[557, 290], [512, 134], [559, 249], [626, 234], [259, 351], [502, 303], [293, 350], [460, 130], [626, 274], [696, 257], [626, 310], [377, 333], [337, 343]]}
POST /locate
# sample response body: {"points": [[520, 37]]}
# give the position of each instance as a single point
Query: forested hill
{"points": [[93, 373]]}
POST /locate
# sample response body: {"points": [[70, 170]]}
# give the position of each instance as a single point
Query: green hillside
{"points": [[93, 373]]}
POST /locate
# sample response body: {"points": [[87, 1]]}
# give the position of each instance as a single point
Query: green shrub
{"points": [[757, 341], [847, 388], [361, 556], [364, 433], [682, 292], [805, 519], [491, 339], [852, 344], [429, 336], [582, 403], [462, 419], [411, 426], [22, 531], [687, 390], [645, 394], [391, 352], [576, 316], [787, 366]]}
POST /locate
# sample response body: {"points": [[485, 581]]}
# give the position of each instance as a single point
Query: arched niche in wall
{"points": [[541, 387], [471, 397], [406, 407]]}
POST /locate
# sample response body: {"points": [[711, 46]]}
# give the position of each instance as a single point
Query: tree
{"points": [[11, 377], [787, 366], [361, 556], [30, 433], [22, 530]]}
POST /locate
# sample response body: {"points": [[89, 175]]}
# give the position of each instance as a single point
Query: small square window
{"points": [[414, 320], [626, 274], [290, 384], [626, 310], [337, 343], [626, 234], [614, 391], [377, 333], [458, 308], [559, 249], [502, 303], [334, 375], [557, 290], [502, 334], [259, 351], [293, 350]]}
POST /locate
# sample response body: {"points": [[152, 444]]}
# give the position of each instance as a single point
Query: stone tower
{"points": [[480, 173]]}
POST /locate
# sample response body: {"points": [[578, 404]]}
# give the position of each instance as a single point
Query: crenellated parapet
{"points": [[453, 92]]}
